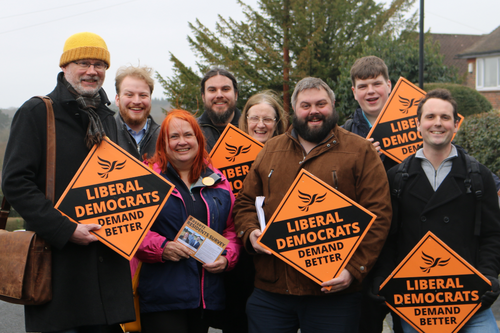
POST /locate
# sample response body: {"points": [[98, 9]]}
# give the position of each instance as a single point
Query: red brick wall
{"points": [[493, 97], [470, 81]]}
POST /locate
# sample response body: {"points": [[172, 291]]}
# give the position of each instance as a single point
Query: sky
{"points": [[33, 32]]}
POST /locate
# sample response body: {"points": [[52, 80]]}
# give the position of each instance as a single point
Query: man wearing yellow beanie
{"points": [[91, 283]]}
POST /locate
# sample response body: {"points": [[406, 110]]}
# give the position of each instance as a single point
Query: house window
{"points": [[488, 73]]}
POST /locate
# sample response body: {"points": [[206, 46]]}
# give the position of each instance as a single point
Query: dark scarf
{"points": [[95, 130]]}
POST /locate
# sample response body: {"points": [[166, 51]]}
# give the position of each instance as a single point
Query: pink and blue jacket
{"points": [[168, 285]]}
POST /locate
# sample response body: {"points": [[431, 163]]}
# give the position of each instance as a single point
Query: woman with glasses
{"points": [[263, 116]]}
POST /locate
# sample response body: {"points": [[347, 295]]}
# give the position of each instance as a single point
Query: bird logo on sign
{"points": [[309, 200], [108, 166], [235, 151], [408, 103], [432, 262]]}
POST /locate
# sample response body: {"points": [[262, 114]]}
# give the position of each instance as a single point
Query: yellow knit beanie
{"points": [[84, 45]]}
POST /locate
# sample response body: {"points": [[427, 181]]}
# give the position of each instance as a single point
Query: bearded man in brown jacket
{"points": [[285, 299]]}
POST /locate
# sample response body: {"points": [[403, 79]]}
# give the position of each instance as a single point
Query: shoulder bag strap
{"points": [[51, 162]]}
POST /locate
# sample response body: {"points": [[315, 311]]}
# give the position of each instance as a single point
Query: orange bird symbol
{"points": [[431, 262], [408, 103], [309, 200], [235, 151], [109, 166]]}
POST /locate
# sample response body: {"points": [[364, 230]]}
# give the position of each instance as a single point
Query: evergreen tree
{"points": [[401, 55], [278, 45]]}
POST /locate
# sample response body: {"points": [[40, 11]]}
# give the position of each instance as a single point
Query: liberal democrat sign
{"points": [[316, 229], [434, 289], [396, 125], [233, 154], [118, 192]]}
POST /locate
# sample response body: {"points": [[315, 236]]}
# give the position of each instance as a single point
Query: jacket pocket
{"points": [[265, 266]]}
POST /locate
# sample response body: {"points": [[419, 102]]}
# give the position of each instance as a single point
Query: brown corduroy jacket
{"points": [[343, 160]]}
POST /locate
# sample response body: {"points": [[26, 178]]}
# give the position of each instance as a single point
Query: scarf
{"points": [[95, 130]]}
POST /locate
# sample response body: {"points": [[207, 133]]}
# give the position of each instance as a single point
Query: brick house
{"points": [[483, 66]]}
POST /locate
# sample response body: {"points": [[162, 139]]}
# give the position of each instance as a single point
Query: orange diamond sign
{"points": [[396, 125], [118, 192], [434, 289], [233, 154], [316, 229]]}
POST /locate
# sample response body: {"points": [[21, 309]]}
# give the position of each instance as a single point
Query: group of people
{"points": [[246, 289]]}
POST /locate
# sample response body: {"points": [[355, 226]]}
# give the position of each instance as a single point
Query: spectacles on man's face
{"points": [[256, 120], [98, 65]]}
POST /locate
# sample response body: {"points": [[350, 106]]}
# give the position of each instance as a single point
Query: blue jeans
{"points": [[277, 313], [481, 322]]}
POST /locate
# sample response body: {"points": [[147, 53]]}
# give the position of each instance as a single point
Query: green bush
{"points": [[479, 135], [469, 100]]}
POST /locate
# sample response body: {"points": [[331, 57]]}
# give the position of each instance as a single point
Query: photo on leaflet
{"points": [[191, 238]]}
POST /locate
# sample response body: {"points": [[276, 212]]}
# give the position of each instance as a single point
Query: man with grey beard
{"points": [[219, 92], [91, 285], [284, 299]]}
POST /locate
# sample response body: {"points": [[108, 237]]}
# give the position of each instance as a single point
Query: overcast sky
{"points": [[33, 32]]}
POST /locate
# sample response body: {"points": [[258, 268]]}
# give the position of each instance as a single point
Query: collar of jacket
{"points": [[207, 173], [204, 120], [67, 98], [458, 169]]}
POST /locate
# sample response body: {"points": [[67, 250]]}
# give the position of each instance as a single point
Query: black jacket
{"points": [[211, 132], [359, 126], [91, 284], [449, 213], [146, 146]]}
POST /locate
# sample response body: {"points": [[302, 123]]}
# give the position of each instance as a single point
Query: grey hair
{"points": [[310, 83]]}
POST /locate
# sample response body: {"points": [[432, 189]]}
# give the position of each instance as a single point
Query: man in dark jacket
{"points": [[435, 198], [219, 92], [137, 131], [91, 283], [371, 87]]}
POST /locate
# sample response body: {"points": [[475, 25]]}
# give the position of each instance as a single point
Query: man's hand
{"points": [[376, 145], [82, 235], [253, 239], [490, 296], [175, 251], [217, 266], [338, 284]]}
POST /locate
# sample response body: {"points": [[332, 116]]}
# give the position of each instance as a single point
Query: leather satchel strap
{"points": [[51, 162], [51, 150], [4, 213]]}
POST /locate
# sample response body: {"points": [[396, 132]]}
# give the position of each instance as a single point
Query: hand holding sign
{"points": [[338, 284], [254, 236], [82, 235]]}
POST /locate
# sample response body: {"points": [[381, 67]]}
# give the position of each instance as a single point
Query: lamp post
{"points": [[421, 48]]}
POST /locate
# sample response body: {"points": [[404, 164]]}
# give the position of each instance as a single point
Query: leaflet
{"points": [[204, 243]]}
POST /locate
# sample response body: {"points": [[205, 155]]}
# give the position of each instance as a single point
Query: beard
{"points": [[220, 118], [88, 92], [134, 121], [315, 135]]}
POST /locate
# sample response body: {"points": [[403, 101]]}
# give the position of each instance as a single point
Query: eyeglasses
{"points": [[256, 120], [99, 65]]}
